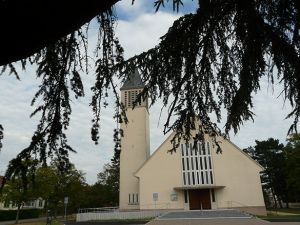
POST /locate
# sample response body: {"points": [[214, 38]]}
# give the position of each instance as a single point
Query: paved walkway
{"points": [[105, 223], [211, 217], [208, 222], [205, 214], [252, 221]]}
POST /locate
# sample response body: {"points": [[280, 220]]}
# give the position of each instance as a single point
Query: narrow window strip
{"points": [[209, 161], [208, 148]]}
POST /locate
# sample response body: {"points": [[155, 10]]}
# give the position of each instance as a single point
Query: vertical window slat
{"points": [[196, 160]]}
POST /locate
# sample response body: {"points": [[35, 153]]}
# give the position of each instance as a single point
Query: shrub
{"points": [[24, 214]]}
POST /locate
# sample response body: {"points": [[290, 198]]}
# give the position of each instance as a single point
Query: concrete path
{"points": [[211, 217], [103, 223], [205, 214], [252, 221], [209, 222]]}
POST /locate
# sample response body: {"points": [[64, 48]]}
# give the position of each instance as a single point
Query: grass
{"points": [[282, 215], [292, 211]]}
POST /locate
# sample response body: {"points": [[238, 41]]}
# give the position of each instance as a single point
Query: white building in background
{"points": [[191, 178], [38, 203], [33, 204]]}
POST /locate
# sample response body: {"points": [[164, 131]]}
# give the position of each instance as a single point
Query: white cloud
{"points": [[144, 32], [269, 120]]}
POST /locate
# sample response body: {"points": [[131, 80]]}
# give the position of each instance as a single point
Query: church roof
{"points": [[133, 81], [168, 139]]}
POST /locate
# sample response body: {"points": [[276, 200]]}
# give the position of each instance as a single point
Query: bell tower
{"points": [[135, 145]]}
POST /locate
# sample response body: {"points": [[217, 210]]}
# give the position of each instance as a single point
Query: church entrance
{"points": [[199, 199]]}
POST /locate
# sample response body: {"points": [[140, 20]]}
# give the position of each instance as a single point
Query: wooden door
{"points": [[199, 199]]}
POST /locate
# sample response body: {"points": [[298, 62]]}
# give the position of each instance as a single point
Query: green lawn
{"points": [[292, 211], [280, 215]]}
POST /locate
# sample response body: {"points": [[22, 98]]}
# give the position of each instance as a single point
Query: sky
{"points": [[138, 29]]}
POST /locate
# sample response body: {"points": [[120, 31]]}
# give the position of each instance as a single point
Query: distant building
{"points": [[35, 203], [191, 178]]}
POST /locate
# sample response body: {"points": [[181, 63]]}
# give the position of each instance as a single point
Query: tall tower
{"points": [[135, 147]]}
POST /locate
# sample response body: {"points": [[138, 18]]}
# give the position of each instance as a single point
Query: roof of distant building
{"points": [[133, 81]]}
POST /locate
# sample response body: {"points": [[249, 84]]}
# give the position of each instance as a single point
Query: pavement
{"points": [[205, 214], [212, 217], [228, 221], [106, 223]]}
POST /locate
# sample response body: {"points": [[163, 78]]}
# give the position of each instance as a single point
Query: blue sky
{"points": [[138, 29]]}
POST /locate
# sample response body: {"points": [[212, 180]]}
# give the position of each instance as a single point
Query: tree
{"points": [[110, 177], [209, 60], [38, 25], [53, 186], [19, 189], [271, 155], [98, 195], [293, 166]]}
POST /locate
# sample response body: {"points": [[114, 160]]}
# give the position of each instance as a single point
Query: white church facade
{"points": [[189, 179]]}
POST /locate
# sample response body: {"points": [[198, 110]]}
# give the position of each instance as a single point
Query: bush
{"points": [[24, 214]]}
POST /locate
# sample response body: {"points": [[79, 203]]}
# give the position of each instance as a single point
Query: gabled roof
{"points": [[133, 81], [173, 133], [244, 153]]}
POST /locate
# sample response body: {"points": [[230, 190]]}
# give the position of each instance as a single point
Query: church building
{"points": [[189, 179]]}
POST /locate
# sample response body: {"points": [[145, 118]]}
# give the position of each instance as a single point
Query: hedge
{"points": [[24, 214]]}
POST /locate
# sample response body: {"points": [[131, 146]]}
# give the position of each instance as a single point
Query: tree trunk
{"points": [[18, 213], [55, 210], [280, 203], [274, 198], [287, 204]]}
